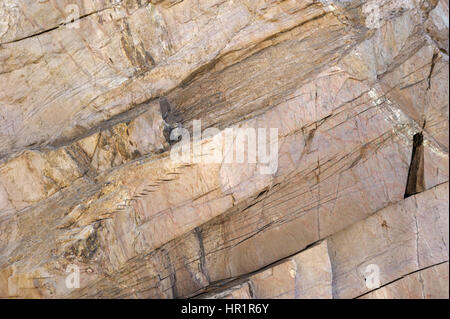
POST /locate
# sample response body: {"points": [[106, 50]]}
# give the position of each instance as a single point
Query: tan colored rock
{"points": [[399, 240], [87, 177], [127, 61], [402, 245], [306, 275], [429, 283]]}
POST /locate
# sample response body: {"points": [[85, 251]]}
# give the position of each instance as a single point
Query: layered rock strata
{"points": [[356, 91]]}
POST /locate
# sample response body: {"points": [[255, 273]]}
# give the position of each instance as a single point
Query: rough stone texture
{"points": [[429, 283], [408, 241], [305, 275], [86, 177]]}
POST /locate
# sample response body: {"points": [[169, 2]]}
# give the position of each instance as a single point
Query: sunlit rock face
{"points": [[124, 173]]}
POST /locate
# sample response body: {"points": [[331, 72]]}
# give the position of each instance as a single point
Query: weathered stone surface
{"points": [[407, 243], [401, 239], [87, 177], [428, 283], [305, 275]]}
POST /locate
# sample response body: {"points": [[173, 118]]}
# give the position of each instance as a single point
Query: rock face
{"points": [[344, 195]]}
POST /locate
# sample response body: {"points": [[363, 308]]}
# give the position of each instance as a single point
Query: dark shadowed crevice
{"points": [[415, 183]]}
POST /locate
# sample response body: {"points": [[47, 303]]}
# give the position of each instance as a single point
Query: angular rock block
{"points": [[315, 137]]}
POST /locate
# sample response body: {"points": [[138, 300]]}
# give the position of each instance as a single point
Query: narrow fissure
{"points": [[415, 183]]}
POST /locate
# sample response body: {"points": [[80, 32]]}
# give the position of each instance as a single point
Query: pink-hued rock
{"points": [[430, 283], [405, 245], [353, 98], [401, 239], [306, 275]]}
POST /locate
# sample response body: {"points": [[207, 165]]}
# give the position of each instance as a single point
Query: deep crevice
{"points": [[415, 182]]}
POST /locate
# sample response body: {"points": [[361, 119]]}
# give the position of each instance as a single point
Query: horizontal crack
{"points": [[400, 278], [60, 25]]}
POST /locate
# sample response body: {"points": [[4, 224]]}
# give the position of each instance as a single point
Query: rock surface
{"points": [[354, 205]]}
